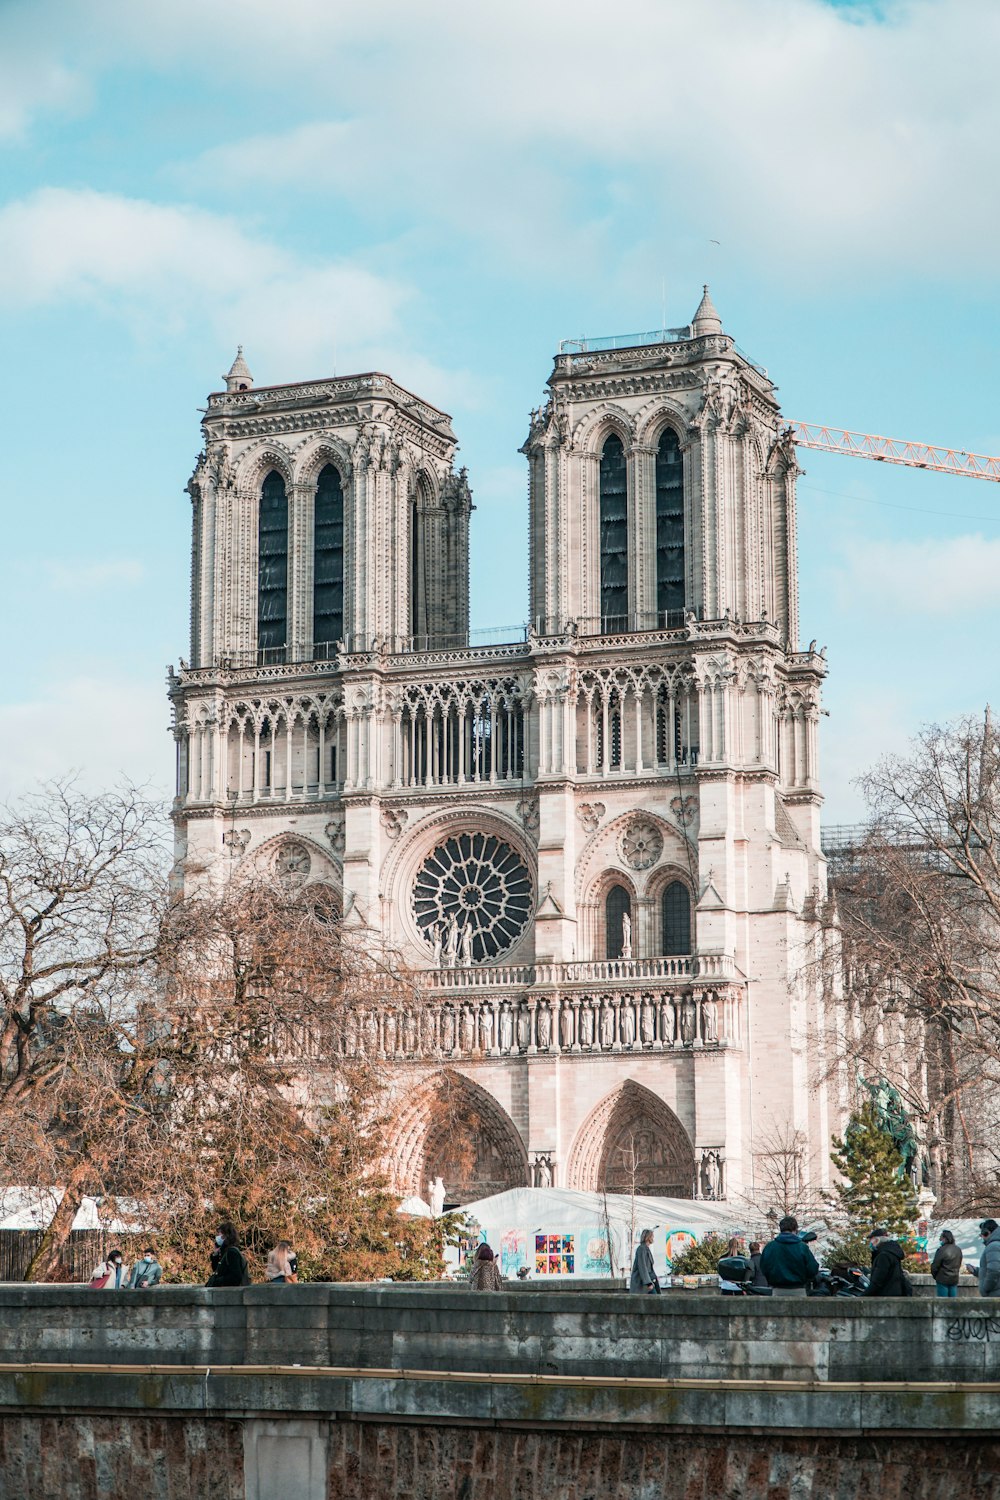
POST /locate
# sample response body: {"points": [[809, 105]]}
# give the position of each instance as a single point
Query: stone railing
{"points": [[471, 1026], [581, 971]]}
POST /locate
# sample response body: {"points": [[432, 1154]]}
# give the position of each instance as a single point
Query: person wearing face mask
{"points": [[228, 1265], [109, 1274]]}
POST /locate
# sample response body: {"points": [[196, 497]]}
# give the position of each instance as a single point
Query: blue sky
{"points": [[444, 191]]}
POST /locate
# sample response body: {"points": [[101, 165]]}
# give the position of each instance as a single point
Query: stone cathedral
{"points": [[597, 844]]}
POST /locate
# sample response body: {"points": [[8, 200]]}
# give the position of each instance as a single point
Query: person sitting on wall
{"points": [[146, 1272], [485, 1274], [644, 1277], [788, 1264], [888, 1279]]}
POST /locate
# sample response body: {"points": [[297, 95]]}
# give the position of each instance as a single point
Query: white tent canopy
{"points": [[557, 1231], [33, 1208]]}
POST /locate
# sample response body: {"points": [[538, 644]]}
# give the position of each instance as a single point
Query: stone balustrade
{"points": [[501, 1025]]}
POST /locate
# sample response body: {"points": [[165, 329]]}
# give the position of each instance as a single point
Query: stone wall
{"points": [[435, 1393]]}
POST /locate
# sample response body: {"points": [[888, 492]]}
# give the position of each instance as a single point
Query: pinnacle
{"points": [[706, 319], [239, 377]]}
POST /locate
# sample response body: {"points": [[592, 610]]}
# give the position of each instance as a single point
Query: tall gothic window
{"points": [[669, 524], [676, 913], [272, 576], [614, 536], [328, 561], [617, 906]]}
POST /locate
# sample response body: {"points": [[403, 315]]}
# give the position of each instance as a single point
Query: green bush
{"points": [[702, 1258]]}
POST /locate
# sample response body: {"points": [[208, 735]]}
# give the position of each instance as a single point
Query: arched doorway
{"points": [[453, 1129], [633, 1143]]}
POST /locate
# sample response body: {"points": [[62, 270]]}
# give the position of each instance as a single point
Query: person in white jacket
{"points": [[110, 1274]]}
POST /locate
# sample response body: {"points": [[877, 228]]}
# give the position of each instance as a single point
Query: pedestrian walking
{"points": [[946, 1265], [989, 1265], [281, 1263], [485, 1274], [887, 1278], [109, 1273], [788, 1264], [229, 1268], [644, 1277], [146, 1272]]}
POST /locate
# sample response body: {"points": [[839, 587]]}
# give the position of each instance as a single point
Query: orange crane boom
{"points": [[895, 451]]}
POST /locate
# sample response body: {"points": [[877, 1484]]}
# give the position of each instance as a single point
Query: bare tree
{"points": [[919, 904], [82, 892]]}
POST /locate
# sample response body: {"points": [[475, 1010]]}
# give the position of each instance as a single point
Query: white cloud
{"points": [[820, 136], [103, 727], [33, 80], [930, 576], [167, 269]]}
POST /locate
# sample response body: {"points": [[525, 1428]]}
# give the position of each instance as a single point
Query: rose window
{"points": [[292, 863], [472, 898], [641, 844]]}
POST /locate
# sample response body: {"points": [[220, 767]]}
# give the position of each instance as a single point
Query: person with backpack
{"points": [[229, 1268], [887, 1279], [146, 1272]]}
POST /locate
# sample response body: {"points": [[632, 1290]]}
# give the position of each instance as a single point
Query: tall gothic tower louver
{"points": [[598, 843]]}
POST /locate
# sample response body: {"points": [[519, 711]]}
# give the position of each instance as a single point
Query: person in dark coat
{"points": [[757, 1277], [887, 1276], [644, 1277], [946, 1265], [228, 1266], [787, 1263], [989, 1265]]}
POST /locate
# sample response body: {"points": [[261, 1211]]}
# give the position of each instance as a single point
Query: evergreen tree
{"points": [[876, 1191]]}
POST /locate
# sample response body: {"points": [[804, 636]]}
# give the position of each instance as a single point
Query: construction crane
{"points": [[887, 450]]}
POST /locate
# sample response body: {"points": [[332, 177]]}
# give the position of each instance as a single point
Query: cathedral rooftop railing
{"points": [[710, 966], [610, 343]]}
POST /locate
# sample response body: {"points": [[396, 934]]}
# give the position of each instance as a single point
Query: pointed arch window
{"points": [[328, 562], [669, 524], [617, 906], [675, 910], [272, 569], [614, 536]]}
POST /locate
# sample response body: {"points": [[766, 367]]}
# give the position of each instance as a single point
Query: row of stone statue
{"points": [[593, 1023]]}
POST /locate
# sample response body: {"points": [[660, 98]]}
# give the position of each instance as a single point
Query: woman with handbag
{"points": [[109, 1274], [281, 1263]]}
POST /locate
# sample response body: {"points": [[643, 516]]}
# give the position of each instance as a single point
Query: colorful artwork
{"points": [[554, 1255], [513, 1251], [594, 1257], [678, 1240]]}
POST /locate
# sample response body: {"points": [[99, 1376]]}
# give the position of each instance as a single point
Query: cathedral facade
{"points": [[597, 844]]}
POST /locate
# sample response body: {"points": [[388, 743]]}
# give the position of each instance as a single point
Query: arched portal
{"points": [[633, 1143], [451, 1128]]}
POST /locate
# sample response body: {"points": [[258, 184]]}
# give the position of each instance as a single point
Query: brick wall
{"points": [[369, 1460]]}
